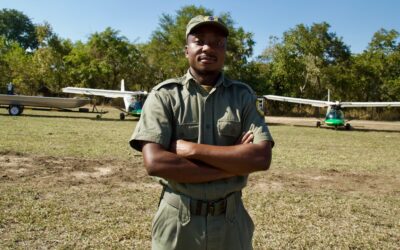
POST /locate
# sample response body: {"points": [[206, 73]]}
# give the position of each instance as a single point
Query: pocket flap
{"points": [[187, 131], [229, 128]]}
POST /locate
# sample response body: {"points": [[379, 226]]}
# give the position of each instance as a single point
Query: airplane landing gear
{"points": [[347, 126], [318, 124], [122, 116]]}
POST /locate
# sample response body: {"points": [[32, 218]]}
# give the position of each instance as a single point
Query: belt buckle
{"points": [[210, 208]]}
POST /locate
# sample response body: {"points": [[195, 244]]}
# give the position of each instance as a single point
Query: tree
{"points": [[50, 68], [104, 61], [376, 71], [303, 63], [16, 26], [21, 70], [5, 75]]}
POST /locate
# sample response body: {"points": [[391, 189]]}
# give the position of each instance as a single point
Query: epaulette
{"points": [[244, 85], [168, 82]]}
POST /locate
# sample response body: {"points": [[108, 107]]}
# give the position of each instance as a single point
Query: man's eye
{"points": [[199, 42], [220, 43]]}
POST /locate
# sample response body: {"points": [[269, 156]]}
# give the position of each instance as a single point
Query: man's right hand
{"points": [[246, 138]]}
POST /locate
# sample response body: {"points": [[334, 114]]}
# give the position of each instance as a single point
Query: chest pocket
{"points": [[187, 131], [229, 128]]}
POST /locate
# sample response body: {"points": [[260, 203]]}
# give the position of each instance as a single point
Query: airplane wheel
{"points": [[318, 124], [15, 110], [347, 126], [122, 116], [98, 117]]}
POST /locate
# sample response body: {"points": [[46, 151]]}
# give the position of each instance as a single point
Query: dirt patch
{"points": [[51, 170], [315, 179], [69, 171]]}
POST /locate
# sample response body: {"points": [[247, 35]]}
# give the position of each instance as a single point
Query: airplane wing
{"points": [[315, 103], [369, 104], [102, 92]]}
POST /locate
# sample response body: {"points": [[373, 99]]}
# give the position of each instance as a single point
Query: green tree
{"points": [[304, 63], [16, 26], [21, 70], [376, 71], [104, 61], [50, 68], [5, 75]]}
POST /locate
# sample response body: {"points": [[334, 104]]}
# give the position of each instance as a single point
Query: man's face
{"points": [[205, 50]]}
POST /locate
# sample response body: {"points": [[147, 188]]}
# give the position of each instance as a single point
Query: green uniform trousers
{"points": [[174, 227]]}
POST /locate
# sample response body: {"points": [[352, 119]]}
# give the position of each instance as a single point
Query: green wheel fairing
{"points": [[334, 122]]}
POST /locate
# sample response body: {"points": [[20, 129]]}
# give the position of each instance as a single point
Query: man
{"points": [[10, 88], [201, 135]]}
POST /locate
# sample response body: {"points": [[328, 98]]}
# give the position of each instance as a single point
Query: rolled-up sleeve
{"points": [[154, 124], [255, 122]]}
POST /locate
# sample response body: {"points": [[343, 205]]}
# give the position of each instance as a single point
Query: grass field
{"points": [[69, 181]]}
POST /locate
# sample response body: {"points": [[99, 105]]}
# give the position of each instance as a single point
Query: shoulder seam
{"points": [[243, 84], [167, 82]]}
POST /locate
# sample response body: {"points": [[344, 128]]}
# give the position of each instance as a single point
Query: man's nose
{"points": [[207, 47]]}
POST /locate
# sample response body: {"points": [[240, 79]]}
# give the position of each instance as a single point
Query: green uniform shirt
{"points": [[181, 109]]}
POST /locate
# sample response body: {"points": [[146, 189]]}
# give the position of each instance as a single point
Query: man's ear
{"points": [[186, 51]]}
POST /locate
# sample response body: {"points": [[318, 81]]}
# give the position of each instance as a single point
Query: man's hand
{"points": [[162, 163], [185, 149], [182, 148], [246, 138]]}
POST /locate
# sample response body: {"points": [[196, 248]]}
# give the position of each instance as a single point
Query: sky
{"points": [[355, 21]]}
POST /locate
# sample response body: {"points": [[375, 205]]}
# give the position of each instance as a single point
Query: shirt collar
{"points": [[222, 80]]}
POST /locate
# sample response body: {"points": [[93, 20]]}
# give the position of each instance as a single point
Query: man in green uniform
{"points": [[201, 135]]}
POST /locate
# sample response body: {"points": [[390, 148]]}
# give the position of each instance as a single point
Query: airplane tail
{"points": [[127, 98], [127, 101], [329, 95], [122, 85]]}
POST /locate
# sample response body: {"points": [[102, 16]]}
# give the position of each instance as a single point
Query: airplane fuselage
{"points": [[334, 117]]}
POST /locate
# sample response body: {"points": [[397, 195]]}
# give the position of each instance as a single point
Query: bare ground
{"points": [[49, 171], [356, 124]]}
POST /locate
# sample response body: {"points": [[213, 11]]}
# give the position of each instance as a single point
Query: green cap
{"points": [[206, 20]]}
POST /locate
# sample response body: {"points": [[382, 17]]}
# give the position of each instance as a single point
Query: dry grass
{"points": [[71, 183]]}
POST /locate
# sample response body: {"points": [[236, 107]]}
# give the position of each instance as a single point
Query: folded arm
{"points": [[240, 159], [162, 163]]}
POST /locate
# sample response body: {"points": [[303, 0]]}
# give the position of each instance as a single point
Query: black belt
{"points": [[204, 208], [198, 207]]}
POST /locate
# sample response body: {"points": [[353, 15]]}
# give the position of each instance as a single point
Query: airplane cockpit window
{"points": [[335, 114]]}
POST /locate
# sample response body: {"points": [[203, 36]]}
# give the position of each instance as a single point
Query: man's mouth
{"points": [[207, 59]]}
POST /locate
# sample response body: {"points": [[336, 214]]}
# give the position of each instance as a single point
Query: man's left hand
{"points": [[182, 148]]}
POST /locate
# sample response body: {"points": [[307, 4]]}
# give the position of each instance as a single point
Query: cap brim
{"points": [[220, 26]]}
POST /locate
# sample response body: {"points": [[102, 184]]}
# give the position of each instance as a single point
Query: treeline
{"points": [[304, 62]]}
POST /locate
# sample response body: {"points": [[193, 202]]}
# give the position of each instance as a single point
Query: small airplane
{"points": [[334, 115], [133, 100]]}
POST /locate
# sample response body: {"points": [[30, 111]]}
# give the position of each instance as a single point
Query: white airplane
{"points": [[133, 100], [334, 115]]}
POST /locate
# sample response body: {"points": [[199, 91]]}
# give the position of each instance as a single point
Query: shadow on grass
{"points": [[75, 117], [352, 129]]}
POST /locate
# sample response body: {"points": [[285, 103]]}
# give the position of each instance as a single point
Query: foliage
{"points": [[301, 61], [104, 60], [305, 62], [4, 67], [18, 27], [376, 72]]}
